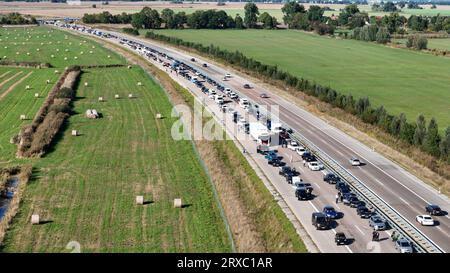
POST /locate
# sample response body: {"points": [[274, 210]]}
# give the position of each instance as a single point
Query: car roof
{"points": [[328, 207]]}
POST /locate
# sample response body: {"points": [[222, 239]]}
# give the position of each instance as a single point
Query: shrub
{"points": [[131, 31], [417, 41]]}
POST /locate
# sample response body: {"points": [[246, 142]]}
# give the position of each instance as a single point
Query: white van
{"points": [[212, 91], [243, 102]]}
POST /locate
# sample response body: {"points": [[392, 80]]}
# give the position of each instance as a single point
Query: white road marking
{"points": [[403, 200], [359, 230], [312, 205], [379, 182], [317, 185]]}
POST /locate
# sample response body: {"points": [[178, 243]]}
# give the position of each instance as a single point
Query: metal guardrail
{"points": [[396, 220]]}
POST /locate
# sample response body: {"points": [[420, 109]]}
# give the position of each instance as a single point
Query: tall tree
{"points": [[315, 13], [290, 9], [445, 146], [419, 133], [432, 139], [239, 22], [251, 15], [167, 16]]}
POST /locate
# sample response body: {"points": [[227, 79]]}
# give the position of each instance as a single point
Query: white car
{"points": [[300, 150], [228, 75], [315, 166], [355, 162], [425, 220], [293, 145]]}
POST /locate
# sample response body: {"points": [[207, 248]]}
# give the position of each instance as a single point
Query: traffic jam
{"points": [[278, 148]]}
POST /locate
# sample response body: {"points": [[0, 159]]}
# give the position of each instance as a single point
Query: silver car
{"points": [[377, 222], [403, 246]]}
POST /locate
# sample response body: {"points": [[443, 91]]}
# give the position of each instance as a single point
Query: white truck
{"points": [[276, 127], [260, 133]]}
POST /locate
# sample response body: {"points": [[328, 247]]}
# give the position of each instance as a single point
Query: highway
{"points": [[401, 190]]}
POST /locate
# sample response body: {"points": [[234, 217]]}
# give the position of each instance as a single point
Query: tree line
{"points": [[418, 133], [149, 18], [17, 19]]}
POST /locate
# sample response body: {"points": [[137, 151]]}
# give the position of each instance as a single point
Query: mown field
{"points": [[84, 189], [88, 184], [16, 100], [39, 44], [401, 80]]}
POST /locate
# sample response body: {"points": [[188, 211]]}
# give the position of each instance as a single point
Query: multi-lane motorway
{"points": [[404, 192]]}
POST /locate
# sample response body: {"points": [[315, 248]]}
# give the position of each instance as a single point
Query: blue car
{"points": [[271, 155], [330, 212]]}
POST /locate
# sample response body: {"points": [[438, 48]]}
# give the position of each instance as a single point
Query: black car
{"points": [[275, 162], [331, 178], [320, 220], [310, 158], [205, 65], [285, 170], [247, 86], [354, 202], [433, 210], [302, 194], [340, 238], [192, 59], [363, 212]]}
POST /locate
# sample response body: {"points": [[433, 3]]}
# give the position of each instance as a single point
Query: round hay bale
{"points": [[139, 83], [139, 200], [86, 84], [37, 49], [23, 117], [27, 87], [28, 53], [158, 116], [100, 98], [36, 95], [130, 96], [117, 96], [56, 71], [91, 52], [129, 67], [48, 81], [35, 219], [65, 58], [57, 50], [53, 56], [75, 57], [74, 133], [177, 203]]}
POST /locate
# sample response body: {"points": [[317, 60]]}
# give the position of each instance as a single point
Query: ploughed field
{"points": [[84, 188], [401, 80]]}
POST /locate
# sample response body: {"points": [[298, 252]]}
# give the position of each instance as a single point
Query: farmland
{"points": [[88, 202], [45, 9], [60, 49], [15, 100], [85, 187], [388, 76]]}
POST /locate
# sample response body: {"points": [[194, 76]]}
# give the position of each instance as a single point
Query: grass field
{"points": [[88, 184], [38, 44], [85, 187], [15, 100], [401, 80]]}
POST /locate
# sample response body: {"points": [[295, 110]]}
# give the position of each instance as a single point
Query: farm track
{"points": [[9, 79], [4, 74], [11, 88]]}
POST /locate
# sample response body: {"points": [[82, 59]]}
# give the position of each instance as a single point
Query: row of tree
{"points": [[149, 18], [417, 134], [433, 23], [17, 19], [106, 18], [371, 33]]}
